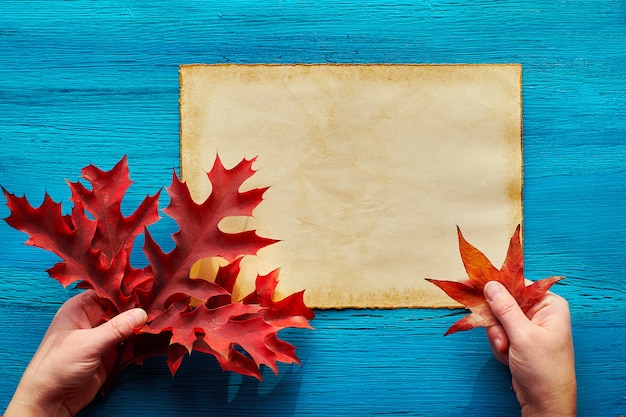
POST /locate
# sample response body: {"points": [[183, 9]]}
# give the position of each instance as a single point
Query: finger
{"points": [[119, 328], [76, 312], [94, 308], [499, 343], [505, 309]]}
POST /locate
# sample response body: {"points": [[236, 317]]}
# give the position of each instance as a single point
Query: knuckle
{"points": [[506, 309], [117, 328]]}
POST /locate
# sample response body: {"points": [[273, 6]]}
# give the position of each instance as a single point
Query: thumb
{"points": [[119, 328], [505, 308]]}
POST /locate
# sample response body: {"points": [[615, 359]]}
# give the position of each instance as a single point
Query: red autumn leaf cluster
{"points": [[95, 242], [480, 271]]}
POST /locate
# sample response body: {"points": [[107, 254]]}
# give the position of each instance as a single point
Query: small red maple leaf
{"points": [[480, 271], [184, 314]]}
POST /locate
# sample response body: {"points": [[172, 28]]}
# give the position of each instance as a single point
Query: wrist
{"points": [[563, 405], [18, 408], [24, 408], [548, 413], [27, 404]]}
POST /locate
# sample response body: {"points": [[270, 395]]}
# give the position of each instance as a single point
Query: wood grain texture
{"points": [[86, 82]]}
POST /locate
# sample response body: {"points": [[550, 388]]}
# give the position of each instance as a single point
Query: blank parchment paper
{"points": [[370, 168]]}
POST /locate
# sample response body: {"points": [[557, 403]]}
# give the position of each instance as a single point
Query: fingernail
{"points": [[136, 317], [493, 290], [497, 344]]}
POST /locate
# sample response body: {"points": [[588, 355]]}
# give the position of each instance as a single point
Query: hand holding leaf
{"points": [[95, 241], [480, 271]]}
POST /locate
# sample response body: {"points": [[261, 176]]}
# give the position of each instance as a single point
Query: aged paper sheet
{"points": [[371, 168]]}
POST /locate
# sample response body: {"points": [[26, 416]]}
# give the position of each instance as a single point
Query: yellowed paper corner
{"points": [[370, 168]]}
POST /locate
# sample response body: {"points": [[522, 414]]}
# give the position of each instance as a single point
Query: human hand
{"points": [[73, 359], [538, 348]]}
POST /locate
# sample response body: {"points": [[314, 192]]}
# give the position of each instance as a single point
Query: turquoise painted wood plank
{"points": [[86, 82]]}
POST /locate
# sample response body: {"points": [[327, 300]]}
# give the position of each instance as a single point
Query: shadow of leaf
{"points": [[200, 388]]}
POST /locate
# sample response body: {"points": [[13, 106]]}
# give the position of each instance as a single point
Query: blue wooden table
{"points": [[88, 81]]}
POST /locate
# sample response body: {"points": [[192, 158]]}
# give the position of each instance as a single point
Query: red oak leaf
{"points": [[480, 271], [288, 312], [70, 238], [184, 314], [104, 203], [199, 235]]}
